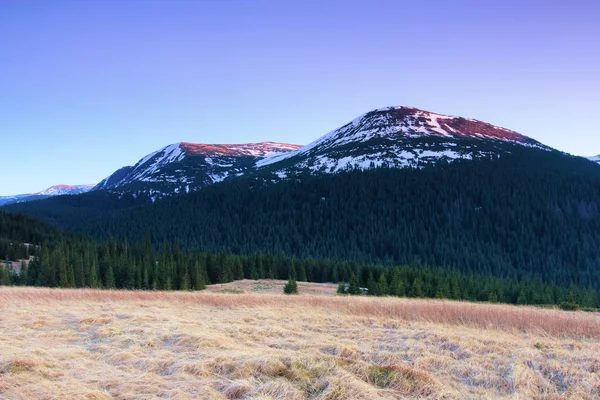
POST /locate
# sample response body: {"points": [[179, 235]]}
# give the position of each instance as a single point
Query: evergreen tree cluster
{"points": [[74, 262]]}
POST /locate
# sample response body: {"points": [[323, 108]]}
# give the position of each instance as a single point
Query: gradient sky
{"points": [[87, 87]]}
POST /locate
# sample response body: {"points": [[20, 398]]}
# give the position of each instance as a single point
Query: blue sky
{"points": [[87, 87]]}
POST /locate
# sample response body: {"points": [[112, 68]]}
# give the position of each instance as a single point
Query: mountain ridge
{"points": [[184, 167], [56, 190], [390, 136], [393, 186]]}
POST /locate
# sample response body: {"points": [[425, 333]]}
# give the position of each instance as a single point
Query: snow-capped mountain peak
{"points": [[62, 189], [183, 167], [400, 136], [394, 137], [56, 190]]}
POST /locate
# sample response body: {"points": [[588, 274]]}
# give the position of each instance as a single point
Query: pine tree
{"points": [[292, 273], [23, 273], [63, 278], [109, 278], [239, 269], [335, 276], [397, 286], [383, 286], [354, 286], [145, 278], [341, 288], [291, 287], [302, 273], [199, 276], [372, 286], [93, 276], [4, 275], [571, 303], [185, 282], [418, 287]]}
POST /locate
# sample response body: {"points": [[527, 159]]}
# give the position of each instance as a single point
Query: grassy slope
{"points": [[111, 344]]}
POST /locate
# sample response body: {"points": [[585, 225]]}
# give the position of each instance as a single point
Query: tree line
{"points": [[81, 263]]}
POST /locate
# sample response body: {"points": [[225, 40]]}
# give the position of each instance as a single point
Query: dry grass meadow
{"points": [[258, 344]]}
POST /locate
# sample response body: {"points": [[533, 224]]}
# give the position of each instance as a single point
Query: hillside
{"points": [[530, 213], [396, 186], [109, 344]]}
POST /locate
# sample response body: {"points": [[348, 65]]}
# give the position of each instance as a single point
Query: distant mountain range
{"points": [[392, 137], [388, 137], [56, 190], [395, 185]]}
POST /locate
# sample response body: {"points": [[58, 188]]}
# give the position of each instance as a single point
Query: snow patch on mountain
{"points": [[394, 124], [595, 159], [62, 189], [184, 167], [56, 190]]}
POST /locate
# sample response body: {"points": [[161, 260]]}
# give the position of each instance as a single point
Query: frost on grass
{"points": [[127, 345]]}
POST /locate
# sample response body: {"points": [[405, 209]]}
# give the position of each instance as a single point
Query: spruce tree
{"points": [[354, 286], [185, 282], [383, 286], [291, 287], [302, 273], [23, 273], [109, 278], [372, 286], [397, 285], [239, 269]]}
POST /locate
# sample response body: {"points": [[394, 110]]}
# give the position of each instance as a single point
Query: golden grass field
{"points": [[259, 344]]}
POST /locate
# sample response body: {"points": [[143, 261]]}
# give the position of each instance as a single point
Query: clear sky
{"points": [[87, 87]]}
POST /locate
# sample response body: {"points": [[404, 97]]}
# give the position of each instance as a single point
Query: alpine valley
{"points": [[395, 186]]}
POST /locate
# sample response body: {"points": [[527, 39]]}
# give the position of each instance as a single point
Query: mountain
{"points": [[57, 190], [595, 159], [530, 214], [394, 186], [398, 137], [186, 167], [387, 137]]}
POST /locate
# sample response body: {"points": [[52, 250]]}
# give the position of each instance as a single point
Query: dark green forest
{"points": [[68, 261], [532, 215]]}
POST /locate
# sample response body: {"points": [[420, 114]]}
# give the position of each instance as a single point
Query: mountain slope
{"points": [[530, 213], [595, 159], [57, 190], [399, 137], [186, 167], [474, 198]]}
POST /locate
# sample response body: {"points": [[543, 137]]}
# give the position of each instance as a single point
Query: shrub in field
{"points": [[569, 306], [291, 287]]}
